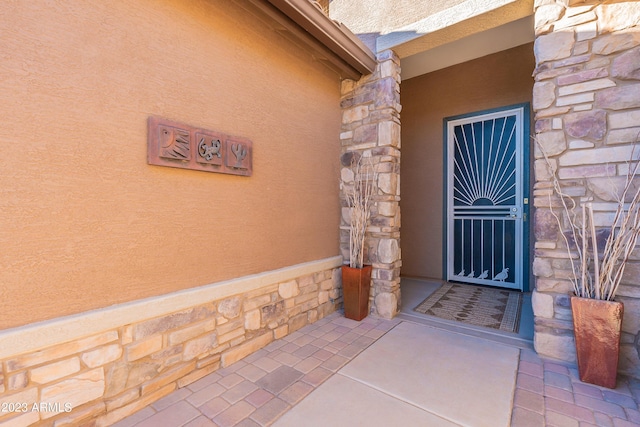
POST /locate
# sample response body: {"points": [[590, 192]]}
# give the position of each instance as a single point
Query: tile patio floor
{"points": [[260, 389]]}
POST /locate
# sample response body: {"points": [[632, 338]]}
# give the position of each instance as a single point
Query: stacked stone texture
{"points": [[100, 379], [587, 119], [371, 126]]}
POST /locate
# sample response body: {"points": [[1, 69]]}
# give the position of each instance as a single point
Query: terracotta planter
{"points": [[597, 325], [356, 283]]}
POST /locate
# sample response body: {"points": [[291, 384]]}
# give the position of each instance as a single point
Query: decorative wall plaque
{"points": [[179, 145]]}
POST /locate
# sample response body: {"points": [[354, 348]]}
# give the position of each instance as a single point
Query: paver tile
{"points": [[295, 392], [348, 337], [204, 395], [293, 336], [204, 381], [556, 367], [214, 406], [524, 418], [136, 418], [230, 380], [305, 351], [279, 379], [174, 415], [324, 353], [239, 391], [247, 422], [587, 389], [555, 419], [600, 406], [335, 362], [617, 422], [530, 383], [259, 397], [304, 340], [350, 351], [529, 368], [172, 398], [529, 400], [530, 356], [255, 356], [569, 409], [320, 343], [267, 364], [558, 393], [289, 348], [287, 359], [232, 368], [270, 411], [252, 373], [274, 345], [317, 376], [558, 380], [234, 414], [308, 364], [633, 415], [619, 399], [201, 421], [332, 336], [603, 420]]}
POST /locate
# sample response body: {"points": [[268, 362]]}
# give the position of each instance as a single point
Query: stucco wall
{"points": [[85, 222], [497, 80]]}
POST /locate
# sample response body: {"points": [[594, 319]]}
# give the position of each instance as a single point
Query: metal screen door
{"points": [[485, 199]]}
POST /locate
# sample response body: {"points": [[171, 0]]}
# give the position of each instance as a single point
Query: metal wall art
{"points": [[179, 145]]}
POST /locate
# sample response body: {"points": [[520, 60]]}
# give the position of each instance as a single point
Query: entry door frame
{"points": [[524, 251]]}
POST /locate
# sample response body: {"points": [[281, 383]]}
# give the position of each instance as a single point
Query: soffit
{"points": [[469, 30], [331, 43]]}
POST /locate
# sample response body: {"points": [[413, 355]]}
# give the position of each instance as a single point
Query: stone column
{"points": [[371, 126], [586, 100]]}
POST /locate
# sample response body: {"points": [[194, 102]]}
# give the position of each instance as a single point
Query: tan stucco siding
{"points": [[493, 81], [85, 222]]}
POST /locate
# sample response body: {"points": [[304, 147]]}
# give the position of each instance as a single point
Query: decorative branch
{"points": [[359, 197], [608, 268]]}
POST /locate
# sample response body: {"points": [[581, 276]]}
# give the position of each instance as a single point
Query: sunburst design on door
{"points": [[484, 158], [484, 161]]}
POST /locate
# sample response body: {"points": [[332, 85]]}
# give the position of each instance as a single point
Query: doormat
{"points": [[475, 305]]}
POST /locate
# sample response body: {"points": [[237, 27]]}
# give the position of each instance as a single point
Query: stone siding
{"points": [[371, 125], [586, 100], [107, 376]]}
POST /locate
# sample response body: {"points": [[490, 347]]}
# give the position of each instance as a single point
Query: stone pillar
{"points": [[586, 100], [371, 126]]}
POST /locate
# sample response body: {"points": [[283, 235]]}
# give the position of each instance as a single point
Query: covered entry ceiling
{"points": [[497, 39]]}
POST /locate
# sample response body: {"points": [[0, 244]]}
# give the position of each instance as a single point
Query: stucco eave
{"points": [[335, 36], [462, 20]]}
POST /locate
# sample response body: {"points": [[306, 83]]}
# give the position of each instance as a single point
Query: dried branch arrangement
{"points": [[359, 197], [598, 274]]}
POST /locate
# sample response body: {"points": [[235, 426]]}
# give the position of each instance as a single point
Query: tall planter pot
{"points": [[597, 325], [356, 284]]}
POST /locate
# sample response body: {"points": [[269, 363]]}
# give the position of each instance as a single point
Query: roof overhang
{"points": [[329, 42]]}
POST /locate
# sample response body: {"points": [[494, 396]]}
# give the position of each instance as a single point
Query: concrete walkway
{"points": [[339, 372]]}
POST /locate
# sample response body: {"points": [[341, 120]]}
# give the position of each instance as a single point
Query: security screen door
{"points": [[485, 160]]}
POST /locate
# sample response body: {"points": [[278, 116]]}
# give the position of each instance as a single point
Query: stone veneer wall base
{"points": [[108, 364]]}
